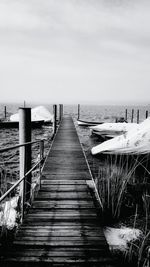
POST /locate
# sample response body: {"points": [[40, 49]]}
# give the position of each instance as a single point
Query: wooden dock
{"points": [[62, 227]]}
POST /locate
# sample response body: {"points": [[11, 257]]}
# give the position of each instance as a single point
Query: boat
{"points": [[39, 113], [135, 141], [88, 123], [15, 124], [110, 130]]}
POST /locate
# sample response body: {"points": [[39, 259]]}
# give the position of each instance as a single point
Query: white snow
{"points": [[8, 213], [135, 141], [118, 238], [37, 114]]}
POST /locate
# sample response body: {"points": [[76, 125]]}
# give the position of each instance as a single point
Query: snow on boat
{"points": [[87, 123], [110, 130], [39, 113], [135, 141]]}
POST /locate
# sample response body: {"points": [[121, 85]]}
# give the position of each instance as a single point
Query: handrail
{"points": [[21, 145], [19, 181]]}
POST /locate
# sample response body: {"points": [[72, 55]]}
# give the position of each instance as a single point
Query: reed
{"points": [[113, 180]]}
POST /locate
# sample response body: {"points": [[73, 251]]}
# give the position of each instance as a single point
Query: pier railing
{"points": [[15, 201]]}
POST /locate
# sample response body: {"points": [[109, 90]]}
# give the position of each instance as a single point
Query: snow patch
{"points": [[118, 238], [8, 213]]}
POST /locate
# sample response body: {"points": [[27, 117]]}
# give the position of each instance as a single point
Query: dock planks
{"points": [[62, 227]]}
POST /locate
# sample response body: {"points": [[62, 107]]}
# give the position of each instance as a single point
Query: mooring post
{"points": [[78, 111], [60, 112], [5, 112], [138, 116], [146, 114], [126, 115], [25, 154], [55, 119], [132, 115]]}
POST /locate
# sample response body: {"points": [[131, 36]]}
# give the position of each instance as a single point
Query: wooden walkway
{"points": [[62, 227]]}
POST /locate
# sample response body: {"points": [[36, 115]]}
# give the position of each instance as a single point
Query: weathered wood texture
{"points": [[62, 227]]}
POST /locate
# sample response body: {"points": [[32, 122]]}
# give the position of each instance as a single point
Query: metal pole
{"points": [[55, 118], [146, 114], [138, 116], [25, 153], [41, 157], [132, 116], [78, 111]]}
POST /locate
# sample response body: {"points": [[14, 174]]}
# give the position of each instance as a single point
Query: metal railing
{"points": [[24, 196]]}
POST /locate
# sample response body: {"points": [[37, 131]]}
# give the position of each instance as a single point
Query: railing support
{"points": [[41, 157], [25, 154]]}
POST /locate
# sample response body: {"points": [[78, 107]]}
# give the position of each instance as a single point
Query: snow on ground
{"points": [[118, 238], [8, 213], [135, 141], [37, 114]]}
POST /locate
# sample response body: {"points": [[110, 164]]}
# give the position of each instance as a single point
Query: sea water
{"points": [[104, 113]]}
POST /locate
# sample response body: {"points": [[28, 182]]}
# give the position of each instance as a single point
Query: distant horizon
{"points": [[74, 104]]}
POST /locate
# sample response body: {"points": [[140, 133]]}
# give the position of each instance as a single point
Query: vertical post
{"points": [[126, 115], [25, 153], [132, 115], [5, 112], [138, 116], [55, 119], [60, 112], [146, 114], [78, 111]]}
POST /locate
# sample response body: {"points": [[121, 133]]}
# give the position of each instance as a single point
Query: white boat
{"points": [[39, 113], [135, 141], [110, 130], [88, 123]]}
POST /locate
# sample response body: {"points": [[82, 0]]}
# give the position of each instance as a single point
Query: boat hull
{"points": [[88, 123], [15, 124]]}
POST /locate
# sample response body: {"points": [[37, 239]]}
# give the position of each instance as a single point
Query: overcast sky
{"points": [[87, 51]]}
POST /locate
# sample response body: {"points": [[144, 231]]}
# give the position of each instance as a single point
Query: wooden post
{"points": [[25, 153], [78, 111], [55, 119], [126, 115], [146, 114], [5, 112], [138, 116], [60, 112], [132, 116]]}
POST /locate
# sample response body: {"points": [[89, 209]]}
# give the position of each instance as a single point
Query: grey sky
{"points": [[73, 51]]}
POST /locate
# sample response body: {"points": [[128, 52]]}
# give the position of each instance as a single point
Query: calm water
{"points": [[9, 137]]}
